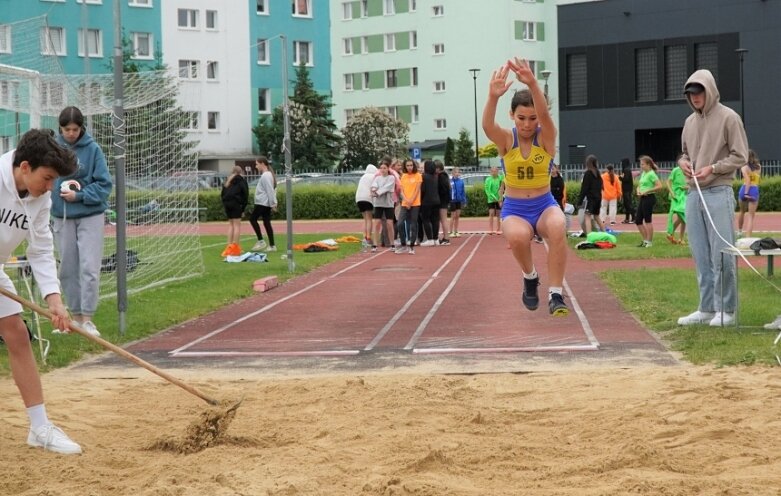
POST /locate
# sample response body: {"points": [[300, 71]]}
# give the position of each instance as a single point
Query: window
{"points": [[366, 80], [577, 89], [5, 93], [364, 8], [439, 48], [53, 41], [675, 73], [302, 8], [438, 10], [439, 86], [390, 42], [213, 121], [348, 82], [188, 69], [440, 123], [414, 76], [364, 44], [347, 44], [264, 101], [413, 39], [413, 5], [388, 8], [263, 56], [645, 75], [415, 114], [706, 56], [390, 79], [211, 19], [212, 70], [90, 43], [262, 8], [191, 124], [349, 114], [142, 45], [140, 3], [302, 53], [93, 93], [347, 11], [5, 38], [53, 94], [5, 144], [95, 2], [528, 31], [392, 111], [187, 18]]}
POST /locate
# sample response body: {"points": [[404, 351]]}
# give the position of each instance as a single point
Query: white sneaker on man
{"points": [[696, 318], [776, 324], [270, 248], [722, 319], [90, 328], [51, 438], [259, 245]]}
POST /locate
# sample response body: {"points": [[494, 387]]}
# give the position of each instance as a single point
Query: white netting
{"points": [[160, 164]]}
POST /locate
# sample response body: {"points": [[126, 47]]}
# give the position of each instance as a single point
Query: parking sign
{"points": [[416, 153]]}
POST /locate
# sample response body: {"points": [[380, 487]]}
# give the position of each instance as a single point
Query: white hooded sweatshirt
{"points": [[26, 219]]}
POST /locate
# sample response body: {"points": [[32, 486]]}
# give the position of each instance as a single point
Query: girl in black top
{"points": [[627, 189], [591, 191], [429, 204], [234, 196]]}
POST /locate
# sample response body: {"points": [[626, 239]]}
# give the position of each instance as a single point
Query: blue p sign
{"points": [[416, 153]]}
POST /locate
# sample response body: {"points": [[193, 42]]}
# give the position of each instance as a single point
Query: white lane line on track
{"points": [[266, 353], [387, 327], [509, 349], [270, 306], [430, 315]]}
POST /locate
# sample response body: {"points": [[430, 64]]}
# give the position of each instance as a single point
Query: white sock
{"points": [[533, 274], [553, 289], [37, 416]]}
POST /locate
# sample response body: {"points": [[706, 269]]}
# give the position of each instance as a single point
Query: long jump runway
{"points": [[449, 302]]}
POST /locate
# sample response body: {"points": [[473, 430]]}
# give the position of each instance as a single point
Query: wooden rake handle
{"points": [[110, 346]]}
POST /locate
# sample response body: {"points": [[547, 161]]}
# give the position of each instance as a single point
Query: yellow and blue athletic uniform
{"points": [[752, 195], [530, 172]]}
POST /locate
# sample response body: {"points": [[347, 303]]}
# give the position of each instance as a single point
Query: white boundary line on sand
{"points": [[181, 350]]}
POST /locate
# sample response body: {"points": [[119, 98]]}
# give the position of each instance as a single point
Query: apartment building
{"points": [[427, 61]]}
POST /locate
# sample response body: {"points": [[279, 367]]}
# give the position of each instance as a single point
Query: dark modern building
{"points": [[623, 65]]}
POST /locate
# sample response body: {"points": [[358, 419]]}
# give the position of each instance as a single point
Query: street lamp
{"points": [[545, 75], [477, 147], [741, 52]]}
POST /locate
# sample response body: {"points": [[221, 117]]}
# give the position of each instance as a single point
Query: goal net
{"points": [[160, 163]]}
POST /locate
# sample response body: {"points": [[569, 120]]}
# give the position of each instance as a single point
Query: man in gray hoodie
{"points": [[714, 147]]}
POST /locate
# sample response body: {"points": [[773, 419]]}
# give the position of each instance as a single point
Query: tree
{"points": [[489, 150], [450, 150], [371, 134], [465, 149], [314, 142]]}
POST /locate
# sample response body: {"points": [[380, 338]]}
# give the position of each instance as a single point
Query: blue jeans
{"points": [[706, 245]]}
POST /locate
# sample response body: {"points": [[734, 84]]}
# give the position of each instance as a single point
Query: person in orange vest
{"points": [[611, 193]]}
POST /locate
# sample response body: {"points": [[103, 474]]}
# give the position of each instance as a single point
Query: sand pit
{"points": [[655, 431]]}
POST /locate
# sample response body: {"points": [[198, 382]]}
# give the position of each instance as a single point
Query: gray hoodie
{"points": [[714, 135]]}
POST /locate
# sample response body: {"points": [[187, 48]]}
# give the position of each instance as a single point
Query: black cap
{"points": [[694, 88]]}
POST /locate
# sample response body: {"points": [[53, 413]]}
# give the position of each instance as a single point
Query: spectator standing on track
{"points": [[363, 200], [265, 204], [558, 187], [27, 175], [382, 189], [234, 196], [429, 204], [627, 190], [647, 187], [611, 193], [748, 195], [714, 146], [529, 208], [457, 201], [494, 195], [676, 218], [79, 219], [443, 181], [411, 181], [590, 198]]}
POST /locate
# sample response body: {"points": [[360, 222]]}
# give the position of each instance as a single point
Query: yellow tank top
{"points": [[753, 177], [531, 172]]}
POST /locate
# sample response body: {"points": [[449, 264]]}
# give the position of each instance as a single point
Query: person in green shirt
{"points": [[648, 185], [677, 187], [494, 192]]}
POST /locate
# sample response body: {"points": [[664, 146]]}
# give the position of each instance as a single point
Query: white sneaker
{"points": [[429, 242], [696, 318], [722, 319], [271, 248], [90, 328], [51, 438], [259, 245], [776, 324]]}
